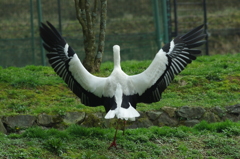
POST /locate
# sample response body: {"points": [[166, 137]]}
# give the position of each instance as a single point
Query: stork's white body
{"points": [[119, 93], [119, 83]]}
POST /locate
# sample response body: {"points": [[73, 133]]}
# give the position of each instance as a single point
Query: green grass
{"points": [[209, 81], [217, 140]]}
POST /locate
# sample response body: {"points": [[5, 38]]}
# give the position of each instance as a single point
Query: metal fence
{"points": [[130, 24], [222, 18]]}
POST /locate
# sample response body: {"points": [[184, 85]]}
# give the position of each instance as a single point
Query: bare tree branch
{"points": [[94, 12], [81, 4], [82, 8], [80, 17], [88, 17], [101, 43], [89, 40]]}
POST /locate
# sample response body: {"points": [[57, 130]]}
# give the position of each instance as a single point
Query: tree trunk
{"points": [[101, 43], [87, 19]]}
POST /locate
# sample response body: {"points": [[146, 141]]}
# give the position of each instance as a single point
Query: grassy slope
{"points": [[218, 140], [209, 81]]}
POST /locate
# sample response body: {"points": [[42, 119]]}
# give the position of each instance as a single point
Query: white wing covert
{"points": [[67, 65], [168, 62]]}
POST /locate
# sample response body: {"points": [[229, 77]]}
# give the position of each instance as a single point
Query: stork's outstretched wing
{"points": [[168, 62], [67, 65]]}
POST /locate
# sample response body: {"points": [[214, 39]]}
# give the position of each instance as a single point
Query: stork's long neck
{"points": [[116, 57]]}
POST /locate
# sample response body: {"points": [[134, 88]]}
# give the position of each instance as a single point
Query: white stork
{"points": [[119, 93]]}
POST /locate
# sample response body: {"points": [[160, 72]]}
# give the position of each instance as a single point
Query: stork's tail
{"points": [[122, 113], [124, 109], [128, 114]]}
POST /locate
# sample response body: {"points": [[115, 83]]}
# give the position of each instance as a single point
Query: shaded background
{"points": [[130, 24]]}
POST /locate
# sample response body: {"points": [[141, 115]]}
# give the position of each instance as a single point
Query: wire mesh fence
{"points": [[223, 23], [130, 24]]}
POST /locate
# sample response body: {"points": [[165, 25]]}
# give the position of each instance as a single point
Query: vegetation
{"points": [[217, 140], [209, 81]]}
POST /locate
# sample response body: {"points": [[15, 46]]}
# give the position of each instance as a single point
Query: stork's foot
{"points": [[113, 144]]}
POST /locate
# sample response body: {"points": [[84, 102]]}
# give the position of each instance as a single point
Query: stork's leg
{"points": [[114, 139]]}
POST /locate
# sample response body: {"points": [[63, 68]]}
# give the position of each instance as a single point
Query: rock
{"points": [[74, 117], [141, 122], [233, 113], [232, 117], [44, 119], [48, 120], [153, 115], [170, 111], [2, 128], [94, 120], [20, 121], [99, 115], [191, 123], [210, 117], [165, 120], [190, 112], [167, 116], [218, 111], [235, 109]]}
